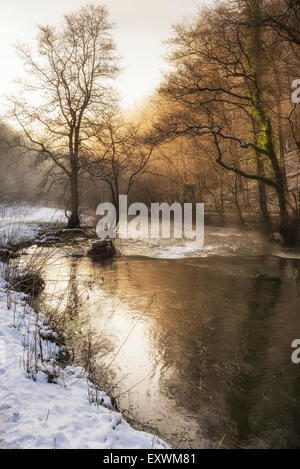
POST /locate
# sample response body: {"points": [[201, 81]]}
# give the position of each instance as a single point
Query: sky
{"points": [[140, 28]]}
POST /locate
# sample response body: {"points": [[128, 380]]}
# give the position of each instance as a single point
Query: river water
{"points": [[201, 344]]}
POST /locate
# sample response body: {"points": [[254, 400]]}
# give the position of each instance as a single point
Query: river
{"points": [[201, 344]]}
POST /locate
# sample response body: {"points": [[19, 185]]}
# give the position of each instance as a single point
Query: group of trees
{"points": [[222, 119], [231, 90], [71, 121]]}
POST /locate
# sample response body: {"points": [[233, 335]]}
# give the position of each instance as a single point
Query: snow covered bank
{"points": [[21, 222], [43, 405]]}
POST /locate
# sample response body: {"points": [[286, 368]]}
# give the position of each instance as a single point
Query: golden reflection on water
{"points": [[200, 343]]}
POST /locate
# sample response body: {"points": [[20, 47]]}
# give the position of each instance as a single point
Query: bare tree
{"points": [[69, 92]]}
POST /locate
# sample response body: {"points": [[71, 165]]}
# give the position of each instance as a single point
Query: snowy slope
{"points": [[39, 414]]}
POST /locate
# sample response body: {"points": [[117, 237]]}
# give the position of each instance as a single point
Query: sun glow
{"points": [[140, 28]]}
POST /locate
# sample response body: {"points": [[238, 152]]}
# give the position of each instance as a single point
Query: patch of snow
{"points": [[35, 413], [21, 223]]}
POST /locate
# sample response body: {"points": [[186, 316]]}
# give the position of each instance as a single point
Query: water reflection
{"points": [[212, 352]]}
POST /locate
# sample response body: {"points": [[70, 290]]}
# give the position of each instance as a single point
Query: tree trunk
{"points": [[74, 221], [289, 227], [239, 211], [281, 140], [262, 197], [115, 199]]}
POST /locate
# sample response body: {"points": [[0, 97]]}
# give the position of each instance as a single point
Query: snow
{"points": [[21, 223], [37, 414], [44, 405]]}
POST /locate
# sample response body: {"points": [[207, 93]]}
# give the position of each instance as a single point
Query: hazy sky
{"points": [[141, 25]]}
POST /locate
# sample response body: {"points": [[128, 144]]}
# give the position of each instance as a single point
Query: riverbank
{"points": [[44, 403]]}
